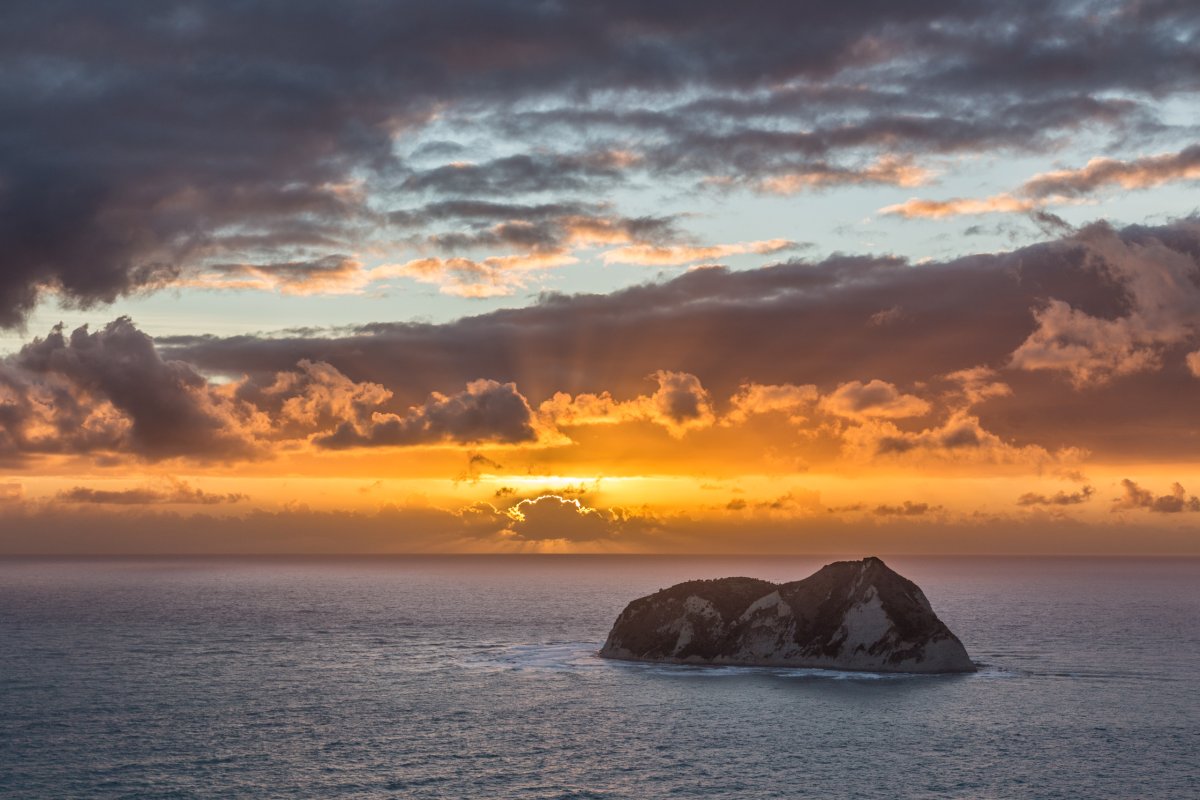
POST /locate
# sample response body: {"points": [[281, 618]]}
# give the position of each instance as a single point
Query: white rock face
{"points": [[850, 615]]}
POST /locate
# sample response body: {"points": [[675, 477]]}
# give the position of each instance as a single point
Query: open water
{"points": [[475, 677]]}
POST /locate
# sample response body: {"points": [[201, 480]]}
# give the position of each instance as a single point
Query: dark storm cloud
{"points": [[111, 388], [112, 392], [146, 139]]}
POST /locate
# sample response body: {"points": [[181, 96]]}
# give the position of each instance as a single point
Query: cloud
{"points": [[521, 174], [1139, 173], [177, 492], [334, 274], [1059, 498], [790, 503], [887, 169], [1193, 363], [312, 396], [550, 517], [112, 392], [1163, 299], [111, 389], [874, 400], [486, 411], [544, 228], [69, 529], [908, 509], [495, 276], [971, 335], [673, 255], [680, 404], [1062, 187], [959, 440], [227, 151], [976, 385], [1135, 497], [755, 398], [916, 208]]}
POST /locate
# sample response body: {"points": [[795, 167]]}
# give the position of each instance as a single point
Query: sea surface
{"points": [[476, 677]]}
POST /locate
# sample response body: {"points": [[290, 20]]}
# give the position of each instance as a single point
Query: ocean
{"points": [[476, 677]]}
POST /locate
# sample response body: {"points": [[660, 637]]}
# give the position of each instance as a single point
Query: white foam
{"points": [[584, 657]]}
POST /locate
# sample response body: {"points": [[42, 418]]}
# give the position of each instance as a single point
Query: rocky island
{"points": [[849, 615]]}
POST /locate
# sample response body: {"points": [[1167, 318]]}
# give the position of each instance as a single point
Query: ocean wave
{"points": [[584, 656]]}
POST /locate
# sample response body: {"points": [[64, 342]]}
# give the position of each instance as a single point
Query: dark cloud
{"points": [[907, 509], [486, 411], [178, 492], [522, 174], [1059, 498], [112, 389], [65, 529], [805, 323], [551, 517], [996, 358], [540, 228], [1135, 497], [145, 141]]}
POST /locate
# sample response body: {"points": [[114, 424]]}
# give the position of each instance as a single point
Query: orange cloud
{"points": [[551, 518], [961, 439], [496, 276], [674, 255], [1139, 173], [680, 404], [1193, 363], [756, 398], [917, 208], [888, 169], [176, 492], [875, 400], [1135, 497], [1059, 498], [486, 411], [1164, 301], [1064, 186], [330, 275]]}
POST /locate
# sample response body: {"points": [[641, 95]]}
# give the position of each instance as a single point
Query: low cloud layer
{"points": [[988, 359], [175, 493]]}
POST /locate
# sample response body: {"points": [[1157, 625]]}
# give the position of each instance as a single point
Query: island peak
{"points": [[848, 615]]}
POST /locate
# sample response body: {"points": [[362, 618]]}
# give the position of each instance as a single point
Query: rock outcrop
{"points": [[850, 615]]}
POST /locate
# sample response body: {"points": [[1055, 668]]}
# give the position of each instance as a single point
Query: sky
{"points": [[644, 277]]}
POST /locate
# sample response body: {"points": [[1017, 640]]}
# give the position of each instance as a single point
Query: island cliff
{"points": [[849, 615]]}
